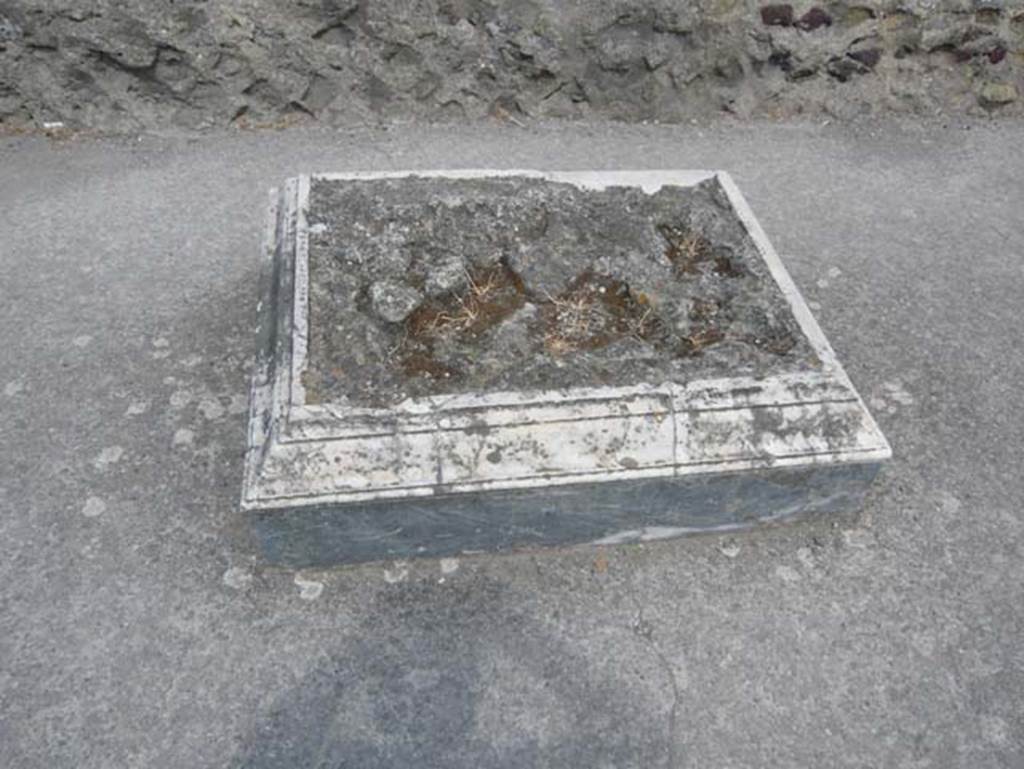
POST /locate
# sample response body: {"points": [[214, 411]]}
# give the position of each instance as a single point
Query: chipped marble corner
{"points": [[436, 476]]}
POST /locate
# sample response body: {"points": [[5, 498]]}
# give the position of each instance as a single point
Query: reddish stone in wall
{"points": [[777, 15], [813, 19]]}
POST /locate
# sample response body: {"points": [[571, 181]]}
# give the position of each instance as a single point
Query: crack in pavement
{"points": [[645, 630]]}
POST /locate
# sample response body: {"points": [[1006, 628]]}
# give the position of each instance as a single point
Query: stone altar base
{"points": [[466, 361]]}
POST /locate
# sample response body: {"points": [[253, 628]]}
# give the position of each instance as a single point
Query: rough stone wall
{"points": [[129, 64]]}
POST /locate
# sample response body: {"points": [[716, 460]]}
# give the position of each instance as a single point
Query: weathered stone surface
{"points": [[501, 444], [136, 64], [672, 273]]}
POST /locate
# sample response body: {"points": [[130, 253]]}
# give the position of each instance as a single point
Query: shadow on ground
{"points": [[459, 677]]}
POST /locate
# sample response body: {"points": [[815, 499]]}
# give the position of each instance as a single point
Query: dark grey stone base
{"points": [[615, 513]]}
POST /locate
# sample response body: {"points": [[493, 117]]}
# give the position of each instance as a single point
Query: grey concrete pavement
{"points": [[137, 629]]}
